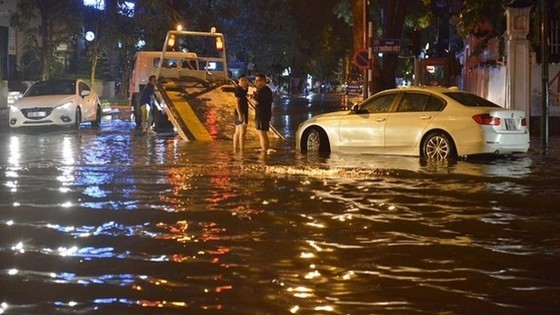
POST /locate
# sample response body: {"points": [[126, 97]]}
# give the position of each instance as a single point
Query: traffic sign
{"points": [[361, 59], [387, 46]]}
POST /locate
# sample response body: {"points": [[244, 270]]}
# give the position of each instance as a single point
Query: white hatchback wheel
{"points": [[77, 118]]}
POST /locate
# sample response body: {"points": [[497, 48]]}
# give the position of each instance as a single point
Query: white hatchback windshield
{"points": [[51, 88]]}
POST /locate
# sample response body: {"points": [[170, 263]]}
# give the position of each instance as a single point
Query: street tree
{"points": [[146, 21], [54, 28], [390, 19], [258, 32], [323, 39], [485, 19], [303, 36]]}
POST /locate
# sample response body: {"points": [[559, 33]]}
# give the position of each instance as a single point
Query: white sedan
{"points": [[56, 102], [431, 122]]}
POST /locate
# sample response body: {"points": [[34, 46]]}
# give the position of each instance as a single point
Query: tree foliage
{"points": [[118, 28], [304, 36], [391, 19], [148, 21], [54, 28]]}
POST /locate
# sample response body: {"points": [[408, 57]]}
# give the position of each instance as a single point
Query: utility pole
{"points": [[544, 66], [365, 80]]}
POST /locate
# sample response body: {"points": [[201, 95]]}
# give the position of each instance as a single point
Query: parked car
{"points": [[56, 102], [431, 122]]}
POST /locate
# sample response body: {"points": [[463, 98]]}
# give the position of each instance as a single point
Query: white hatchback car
{"points": [[56, 102], [431, 122]]}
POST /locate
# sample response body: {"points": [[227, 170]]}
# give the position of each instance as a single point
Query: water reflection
{"points": [[110, 222]]}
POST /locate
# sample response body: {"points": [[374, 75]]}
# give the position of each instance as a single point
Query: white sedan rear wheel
{"points": [[438, 146]]}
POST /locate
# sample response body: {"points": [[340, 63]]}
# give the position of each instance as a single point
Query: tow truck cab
{"points": [[175, 65]]}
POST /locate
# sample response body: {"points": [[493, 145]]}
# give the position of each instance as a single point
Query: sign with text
{"points": [[387, 46]]}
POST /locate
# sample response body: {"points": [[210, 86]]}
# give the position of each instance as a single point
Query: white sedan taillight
{"points": [[487, 119]]}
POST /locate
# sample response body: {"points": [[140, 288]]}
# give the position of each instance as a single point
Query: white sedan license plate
{"points": [[510, 124], [37, 114]]}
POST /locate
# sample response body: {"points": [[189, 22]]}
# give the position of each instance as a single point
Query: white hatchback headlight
{"points": [[13, 108], [65, 106]]}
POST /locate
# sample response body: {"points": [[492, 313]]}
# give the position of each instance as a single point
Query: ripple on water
{"points": [[197, 229]]}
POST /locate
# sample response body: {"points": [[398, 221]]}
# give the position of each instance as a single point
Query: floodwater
{"points": [[104, 221]]}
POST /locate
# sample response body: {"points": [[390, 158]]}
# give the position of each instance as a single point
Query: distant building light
{"points": [[96, 4], [126, 9], [211, 66], [141, 43]]}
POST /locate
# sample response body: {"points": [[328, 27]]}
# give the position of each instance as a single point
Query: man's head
{"points": [[260, 80], [243, 81], [152, 79]]}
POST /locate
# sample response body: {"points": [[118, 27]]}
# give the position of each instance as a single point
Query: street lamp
{"points": [[90, 36]]}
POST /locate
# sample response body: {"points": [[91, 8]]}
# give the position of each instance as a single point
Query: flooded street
{"points": [[104, 221]]}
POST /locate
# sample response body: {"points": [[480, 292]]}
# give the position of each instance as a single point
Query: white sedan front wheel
{"points": [[316, 141]]}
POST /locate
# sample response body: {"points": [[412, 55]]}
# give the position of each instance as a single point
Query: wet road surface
{"points": [[104, 221]]}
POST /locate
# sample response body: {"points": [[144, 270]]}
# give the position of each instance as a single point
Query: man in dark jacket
{"points": [[263, 110]]}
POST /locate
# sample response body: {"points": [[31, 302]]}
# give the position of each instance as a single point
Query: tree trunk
{"points": [[46, 40], [95, 52], [358, 22], [392, 29]]}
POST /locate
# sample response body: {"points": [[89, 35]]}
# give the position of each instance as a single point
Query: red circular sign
{"points": [[361, 59]]}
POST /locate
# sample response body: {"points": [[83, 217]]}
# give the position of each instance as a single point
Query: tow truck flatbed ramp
{"points": [[181, 115], [206, 75]]}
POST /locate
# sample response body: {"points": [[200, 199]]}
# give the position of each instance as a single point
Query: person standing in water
{"points": [[147, 103], [263, 110], [241, 114]]}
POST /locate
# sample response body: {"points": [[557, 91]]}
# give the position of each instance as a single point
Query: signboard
{"points": [[387, 46], [11, 41], [361, 59]]}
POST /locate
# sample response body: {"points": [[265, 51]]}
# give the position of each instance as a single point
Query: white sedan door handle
{"points": [[425, 117], [380, 119]]}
